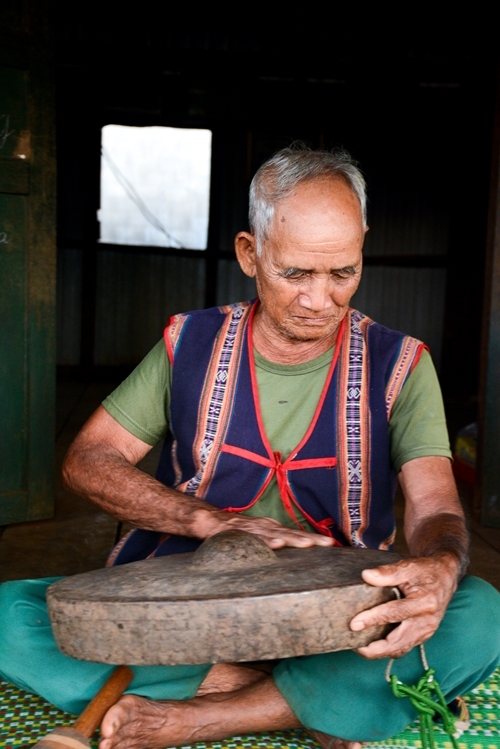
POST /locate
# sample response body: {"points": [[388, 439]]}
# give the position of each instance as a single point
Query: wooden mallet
{"points": [[77, 736]]}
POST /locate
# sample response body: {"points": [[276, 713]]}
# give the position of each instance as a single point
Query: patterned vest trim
{"points": [[218, 450], [216, 401]]}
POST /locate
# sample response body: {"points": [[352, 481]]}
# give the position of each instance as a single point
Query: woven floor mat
{"points": [[24, 718]]}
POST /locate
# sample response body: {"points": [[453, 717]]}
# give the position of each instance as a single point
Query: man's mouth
{"points": [[314, 320]]}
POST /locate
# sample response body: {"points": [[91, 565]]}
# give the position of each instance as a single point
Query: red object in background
{"points": [[464, 471]]}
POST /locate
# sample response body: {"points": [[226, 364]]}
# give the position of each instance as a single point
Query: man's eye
{"points": [[294, 275], [343, 275]]}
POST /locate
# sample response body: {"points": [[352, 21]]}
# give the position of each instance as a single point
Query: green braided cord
{"points": [[427, 730], [422, 700]]}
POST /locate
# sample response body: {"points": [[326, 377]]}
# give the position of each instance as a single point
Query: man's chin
{"points": [[305, 332]]}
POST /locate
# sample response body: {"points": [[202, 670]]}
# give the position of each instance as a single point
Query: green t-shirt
{"points": [[288, 398]]}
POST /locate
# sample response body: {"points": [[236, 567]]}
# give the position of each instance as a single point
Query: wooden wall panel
{"points": [[12, 343]]}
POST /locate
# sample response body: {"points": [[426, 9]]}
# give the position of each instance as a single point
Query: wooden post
{"points": [[27, 261], [489, 406]]}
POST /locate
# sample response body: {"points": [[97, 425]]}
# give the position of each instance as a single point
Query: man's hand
{"points": [[427, 584], [275, 535], [437, 539]]}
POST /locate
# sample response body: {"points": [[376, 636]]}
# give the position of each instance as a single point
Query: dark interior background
{"points": [[413, 99]]}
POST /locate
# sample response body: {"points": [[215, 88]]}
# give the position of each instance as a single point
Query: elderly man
{"points": [[290, 418]]}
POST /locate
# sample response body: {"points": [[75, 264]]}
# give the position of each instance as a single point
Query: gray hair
{"points": [[278, 177]]}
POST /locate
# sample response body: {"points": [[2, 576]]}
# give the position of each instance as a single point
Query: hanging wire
{"points": [[137, 200]]}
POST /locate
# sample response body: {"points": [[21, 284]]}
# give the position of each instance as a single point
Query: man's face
{"points": [[310, 266]]}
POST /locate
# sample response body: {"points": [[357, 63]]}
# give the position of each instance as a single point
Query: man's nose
{"points": [[317, 296]]}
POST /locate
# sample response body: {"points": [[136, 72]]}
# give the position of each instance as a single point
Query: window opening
{"points": [[155, 186]]}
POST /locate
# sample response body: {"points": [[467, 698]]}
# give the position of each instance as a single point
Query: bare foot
{"points": [[228, 677], [331, 742], [137, 723]]}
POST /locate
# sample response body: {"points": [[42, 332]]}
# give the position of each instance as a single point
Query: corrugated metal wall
{"points": [[136, 294], [232, 284], [69, 305], [406, 299]]}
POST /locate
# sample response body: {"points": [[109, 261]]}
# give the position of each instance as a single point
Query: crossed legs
{"points": [[232, 700], [338, 693]]}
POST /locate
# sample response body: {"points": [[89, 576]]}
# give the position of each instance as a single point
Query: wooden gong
{"points": [[234, 599]]}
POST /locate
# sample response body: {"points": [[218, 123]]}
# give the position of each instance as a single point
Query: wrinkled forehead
{"points": [[318, 211]]}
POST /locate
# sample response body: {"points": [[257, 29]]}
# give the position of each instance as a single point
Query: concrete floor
{"points": [[79, 537]]}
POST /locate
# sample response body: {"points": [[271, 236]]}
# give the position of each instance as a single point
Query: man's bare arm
{"points": [[100, 465], [438, 542], [434, 518]]}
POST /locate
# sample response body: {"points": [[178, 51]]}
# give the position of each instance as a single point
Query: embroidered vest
{"points": [[339, 476]]}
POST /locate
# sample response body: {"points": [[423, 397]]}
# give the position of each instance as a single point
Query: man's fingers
{"points": [[392, 612], [380, 576], [296, 541], [392, 575], [414, 573], [399, 641], [275, 535], [277, 539]]}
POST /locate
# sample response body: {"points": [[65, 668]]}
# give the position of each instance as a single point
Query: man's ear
{"points": [[246, 252]]}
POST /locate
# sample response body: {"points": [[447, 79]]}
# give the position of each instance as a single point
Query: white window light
{"points": [[155, 186]]}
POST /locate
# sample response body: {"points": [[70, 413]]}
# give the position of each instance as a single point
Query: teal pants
{"points": [[339, 693]]}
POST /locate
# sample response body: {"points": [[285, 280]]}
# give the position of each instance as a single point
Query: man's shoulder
{"points": [[212, 312], [368, 325], [203, 324], [392, 355]]}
